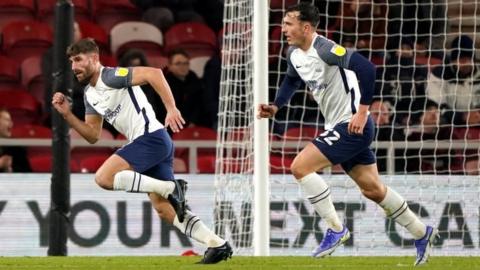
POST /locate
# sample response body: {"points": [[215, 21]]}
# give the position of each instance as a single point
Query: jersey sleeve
{"points": [[119, 77], [89, 108], [290, 69], [332, 53]]}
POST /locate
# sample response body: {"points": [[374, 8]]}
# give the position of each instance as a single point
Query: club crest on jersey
{"points": [[338, 50], [121, 72]]}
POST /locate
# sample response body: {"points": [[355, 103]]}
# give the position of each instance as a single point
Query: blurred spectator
{"points": [[190, 97], [361, 24], [456, 84], [211, 79], [385, 131], [161, 12], [427, 33], [78, 106], [133, 58], [161, 17], [427, 126], [401, 81], [13, 158]]}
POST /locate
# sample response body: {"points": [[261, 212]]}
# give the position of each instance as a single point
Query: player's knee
{"points": [[298, 171], [103, 180], [375, 193]]}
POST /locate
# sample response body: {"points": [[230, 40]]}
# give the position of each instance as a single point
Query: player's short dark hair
{"points": [[308, 13], [86, 45]]}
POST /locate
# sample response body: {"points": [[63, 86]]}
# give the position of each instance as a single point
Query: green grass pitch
{"points": [[238, 262]]}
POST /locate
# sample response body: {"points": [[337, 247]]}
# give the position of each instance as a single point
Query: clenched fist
{"points": [[266, 111]]}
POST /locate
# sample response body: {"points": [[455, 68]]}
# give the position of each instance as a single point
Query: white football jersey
{"points": [[323, 68], [122, 105]]}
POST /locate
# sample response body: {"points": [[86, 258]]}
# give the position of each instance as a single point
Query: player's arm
{"points": [[154, 77], [334, 54], [91, 129], [291, 82], [365, 71]]}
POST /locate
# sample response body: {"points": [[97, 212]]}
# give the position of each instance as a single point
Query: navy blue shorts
{"points": [[151, 155], [346, 149]]}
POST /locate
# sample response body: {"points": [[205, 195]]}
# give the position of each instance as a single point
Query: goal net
{"points": [[427, 114]]}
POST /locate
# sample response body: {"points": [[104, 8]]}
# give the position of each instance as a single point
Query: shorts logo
{"points": [[338, 50], [329, 136], [121, 72]]}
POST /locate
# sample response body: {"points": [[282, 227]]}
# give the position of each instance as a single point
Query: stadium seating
{"points": [[108, 60], [279, 164], [194, 133], [46, 10], [23, 39], [275, 44], [32, 78], [108, 13], [43, 163], [196, 38], [158, 61], [91, 163], [23, 107], [16, 10], [206, 164], [28, 131], [80, 153], [281, 4], [96, 32], [197, 65], [303, 134], [139, 35], [9, 73]]}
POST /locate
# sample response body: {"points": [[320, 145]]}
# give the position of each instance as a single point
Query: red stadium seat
{"points": [[282, 4], [31, 131], [9, 73], [194, 133], [24, 39], [108, 13], [16, 10], [160, 62], [79, 153], [275, 45], [196, 38], [206, 164], [46, 9], [108, 60], [43, 164], [138, 35], [280, 164], [301, 134], [32, 78], [23, 107], [96, 32], [91, 163]]}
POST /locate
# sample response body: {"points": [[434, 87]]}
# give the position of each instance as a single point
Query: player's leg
{"points": [[304, 168], [125, 170], [367, 178], [117, 174], [191, 225]]}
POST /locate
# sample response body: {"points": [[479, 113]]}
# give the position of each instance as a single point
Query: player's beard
{"points": [[87, 76]]}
